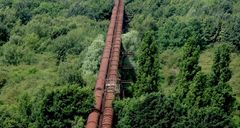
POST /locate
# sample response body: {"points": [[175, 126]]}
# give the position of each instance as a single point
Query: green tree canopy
{"points": [[64, 107], [148, 76], [219, 92], [188, 68]]}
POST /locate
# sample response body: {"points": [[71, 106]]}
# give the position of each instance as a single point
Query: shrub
{"points": [[12, 54], [70, 74]]}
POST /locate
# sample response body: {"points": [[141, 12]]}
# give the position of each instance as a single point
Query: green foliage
{"points": [[174, 33], [51, 8], [196, 91], [8, 119], [148, 76], [61, 106], [210, 30], [64, 107], [207, 117], [14, 55], [234, 81], [231, 31], [3, 79], [190, 108], [169, 60], [130, 45], [189, 64], [4, 34], [206, 62], [155, 110], [92, 56], [188, 68], [91, 9], [79, 122], [220, 93], [236, 120], [34, 36], [7, 17], [23, 9], [212, 98], [130, 41], [69, 74], [31, 41], [62, 47], [144, 23], [221, 72], [177, 21]]}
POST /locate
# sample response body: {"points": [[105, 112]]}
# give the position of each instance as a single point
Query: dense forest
{"points": [[186, 70]]}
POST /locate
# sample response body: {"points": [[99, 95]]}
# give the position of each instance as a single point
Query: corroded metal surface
{"points": [[107, 80]]}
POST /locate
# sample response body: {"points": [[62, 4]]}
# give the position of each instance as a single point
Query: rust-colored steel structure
{"points": [[108, 78]]}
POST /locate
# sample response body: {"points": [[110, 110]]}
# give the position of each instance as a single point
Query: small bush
{"points": [[69, 74]]}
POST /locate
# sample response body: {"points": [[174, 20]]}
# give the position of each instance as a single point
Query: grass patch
{"points": [[235, 68], [28, 78], [169, 70], [206, 60]]}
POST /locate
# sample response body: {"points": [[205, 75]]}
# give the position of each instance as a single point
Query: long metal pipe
{"points": [[102, 114]]}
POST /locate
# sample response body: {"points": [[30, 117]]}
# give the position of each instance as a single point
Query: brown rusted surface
{"points": [[92, 119], [107, 120], [107, 116], [107, 79]]}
